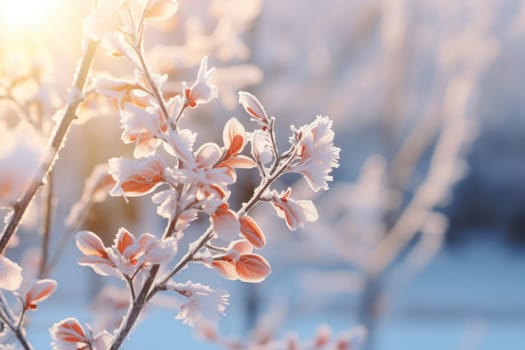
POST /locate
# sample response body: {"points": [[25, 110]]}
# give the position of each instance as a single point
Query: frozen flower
{"points": [[136, 177], [21, 151], [253, 107], [240, 263], [69, 334], [295, 212], [203, 302], [234, 138], [142, 126], [10, 274], [179, 143], [262, 147], [202, 90], [201, 169], [38, 292], [317, 153], [127, 254], [225, 223], [96, 255]]}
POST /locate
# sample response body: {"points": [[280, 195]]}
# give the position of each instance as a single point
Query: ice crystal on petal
{"points": [[317, 154], [202, 91], [136, 177], [142, 126], [203, 302], [253, 107], [295, 212]]}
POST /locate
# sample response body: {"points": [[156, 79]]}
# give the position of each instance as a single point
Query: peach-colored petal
{"points": [[252, 231], [225, 223], [40, 291], [252, 106], [225, 268], [90, 244], [233, 137], [241, 247], [124, 239], [68, 331], [252, 268]]}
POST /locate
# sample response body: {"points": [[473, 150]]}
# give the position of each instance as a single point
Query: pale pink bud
{"points": [[253, 107], [252, 231], [252, 268], [233, 136], [261, 147], [40, 291], [90, 244]]}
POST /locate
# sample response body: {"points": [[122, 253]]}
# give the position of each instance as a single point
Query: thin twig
{"points": [[56, 143], [48, 220]]}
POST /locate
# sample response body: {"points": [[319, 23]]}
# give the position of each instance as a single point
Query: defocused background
{"points": [[421, 237]]}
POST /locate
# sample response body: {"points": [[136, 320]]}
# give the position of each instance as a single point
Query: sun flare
{"points": [[27, 15]]}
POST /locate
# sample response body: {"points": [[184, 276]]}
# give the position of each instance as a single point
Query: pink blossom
{"points": [[96, 255], [203, 302], [254, 108], [317, 154], [127, 254], [202, 171], [38, 292], [225, 223], [69, 334], [142, 126], [202, 91], [295, 212], [234, 138], [10, 274], [136, 177], [240, 263]]}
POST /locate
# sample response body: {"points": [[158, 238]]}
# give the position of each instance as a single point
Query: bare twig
{"points": [[56, 143]]}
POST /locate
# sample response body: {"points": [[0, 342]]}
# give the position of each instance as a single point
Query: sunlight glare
{"points": [[27, 15]]}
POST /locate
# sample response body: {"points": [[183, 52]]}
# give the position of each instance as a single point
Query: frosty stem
{"points": [[56, 143]]}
